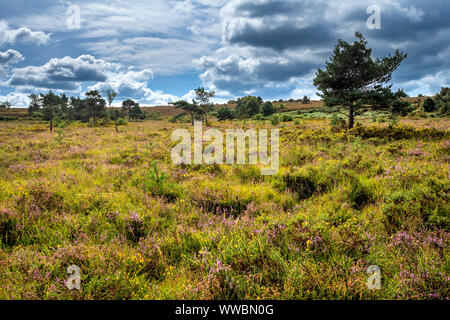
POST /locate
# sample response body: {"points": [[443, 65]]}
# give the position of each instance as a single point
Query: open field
{"points": [[341, 201]]}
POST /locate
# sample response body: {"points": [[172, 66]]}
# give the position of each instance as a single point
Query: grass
{"points": [[141, 228]]}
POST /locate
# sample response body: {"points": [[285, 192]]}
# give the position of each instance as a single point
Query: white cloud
{"points": [[22, 34], [428, 85], [163, 55], [17, 99], [10, 56], [159, 34], [64, 74], [132, 84]]}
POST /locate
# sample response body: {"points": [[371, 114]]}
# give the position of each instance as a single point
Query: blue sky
{"points": [[158, 51]]}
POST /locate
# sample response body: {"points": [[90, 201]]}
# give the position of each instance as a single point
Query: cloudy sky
{"points": [[157, 51]]}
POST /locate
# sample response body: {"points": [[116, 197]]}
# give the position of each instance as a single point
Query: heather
{"points": [[141, 228]]}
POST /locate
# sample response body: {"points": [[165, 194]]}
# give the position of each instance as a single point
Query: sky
{"points": [[159, 51]]}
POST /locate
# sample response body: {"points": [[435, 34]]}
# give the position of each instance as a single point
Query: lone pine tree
{"points": [[352, 78]]}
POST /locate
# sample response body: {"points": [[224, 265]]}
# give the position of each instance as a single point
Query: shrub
{"points": [[421, 206], [156, 183], [429, 105], [224, 113], [268, 109], [402, 107], [8, 228], [398, 132], [301, 183], [274, 120], [121, 122], [258, 116], [286, 118], [334, 120], [337, 123], [134, 227], [306, 100], [359, 194], [154, 115]]}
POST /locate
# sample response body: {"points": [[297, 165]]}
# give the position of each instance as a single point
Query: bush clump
{"points": [[301, 183], [359, 194]]}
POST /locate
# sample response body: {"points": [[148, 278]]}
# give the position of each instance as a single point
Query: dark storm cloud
{"points": [[278, 25], [267, 38], [281, 37], [265, 8]]}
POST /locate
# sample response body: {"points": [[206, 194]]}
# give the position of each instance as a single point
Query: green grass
{"points": [[141, 228]]}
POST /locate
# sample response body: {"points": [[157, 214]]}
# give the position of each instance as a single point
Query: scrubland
{"points": [[142, 228]]}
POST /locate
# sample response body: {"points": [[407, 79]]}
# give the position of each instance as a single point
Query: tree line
{"points": [[51, 107], [246, 107]]}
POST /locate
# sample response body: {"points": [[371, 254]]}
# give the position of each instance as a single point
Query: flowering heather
{"points": [[341, 202]]}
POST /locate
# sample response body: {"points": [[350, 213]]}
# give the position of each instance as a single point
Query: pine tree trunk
{"points": [[192, 118], [206, 118], [351, 117], [51, 125]]}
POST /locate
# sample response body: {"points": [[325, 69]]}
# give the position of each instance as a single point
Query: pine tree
{"points": [[352, 78]]}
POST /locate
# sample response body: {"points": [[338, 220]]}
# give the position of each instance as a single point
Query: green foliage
{"points": [[203, 100], [429, 105], [157, 183], [224, 113], [258, 117], [274, 119], [359, 194], [127, 106], [421, 206], [247, 107], [306, 100], [398, 132], [136, 112], [35, 104], [190, 108], [301, 183], [59, 138], [154, 115], [401, 107], [96, 105], [443, 102], [121, 122], [334, 120], [286, 117], [352, 78], [268, 109]]}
